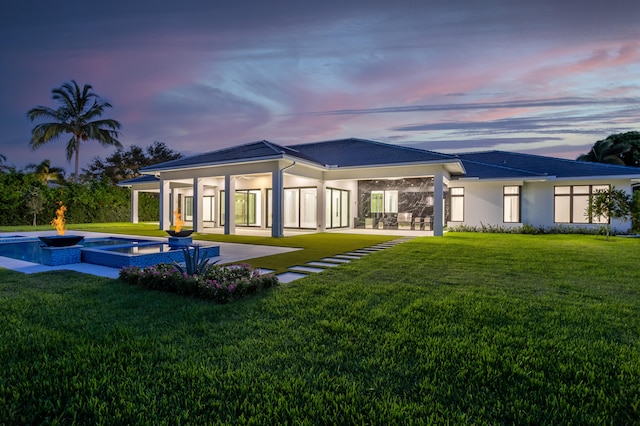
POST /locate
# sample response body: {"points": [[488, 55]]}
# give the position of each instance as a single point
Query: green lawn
{"points": [[464, 329]]}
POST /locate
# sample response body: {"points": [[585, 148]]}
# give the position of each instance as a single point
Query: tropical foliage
{"points": [[45, 172], [194, 263], [126, 164], [24, 197], [635, 211], [612, 203], [77, 115], [622, 149]]}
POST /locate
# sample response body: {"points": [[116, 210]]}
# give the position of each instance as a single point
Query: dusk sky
{"points": [[546, 77]]}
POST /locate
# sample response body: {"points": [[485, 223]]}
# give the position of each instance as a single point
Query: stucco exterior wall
{"points": [[483, 202]]}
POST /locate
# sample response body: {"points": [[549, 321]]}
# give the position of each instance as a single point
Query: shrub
{"points": [[221, 284], [531, 229]]}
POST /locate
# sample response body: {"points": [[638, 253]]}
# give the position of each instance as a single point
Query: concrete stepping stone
{"points": [[347, 256], [287, 277], [263, 271], [335, 260], [323, 264], [355, 253], [306, 269]]}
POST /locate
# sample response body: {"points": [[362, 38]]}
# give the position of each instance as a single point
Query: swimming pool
{"points": [[115, 252]]}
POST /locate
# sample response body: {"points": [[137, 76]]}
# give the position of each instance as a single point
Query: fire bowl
{"points": [[61, 240], [182, 233]]}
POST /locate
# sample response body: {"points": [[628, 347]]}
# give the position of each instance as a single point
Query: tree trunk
{"points": [[76, 178]]}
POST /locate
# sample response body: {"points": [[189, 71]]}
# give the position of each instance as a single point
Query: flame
{"points": [[59, 221], [179, 221]]}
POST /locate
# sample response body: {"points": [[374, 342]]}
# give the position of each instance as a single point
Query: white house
{"points": [[356, 183]]}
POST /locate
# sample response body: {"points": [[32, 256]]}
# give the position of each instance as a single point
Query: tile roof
{"points": [[243, 153], [360, 152], [503, 164], [355, 152]]}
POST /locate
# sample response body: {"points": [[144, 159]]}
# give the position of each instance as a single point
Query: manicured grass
{"points": [[465, 329]]}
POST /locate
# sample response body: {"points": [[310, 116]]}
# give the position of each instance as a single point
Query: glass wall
{"points": [[300, 207], [336, 208], [248, 207]]}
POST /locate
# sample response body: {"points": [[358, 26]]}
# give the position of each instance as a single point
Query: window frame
{"points": [[507, 196], [572, 195], [453, 196]]}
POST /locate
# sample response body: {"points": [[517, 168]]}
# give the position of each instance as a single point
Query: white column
{"points": [[165, 196], [321, 211], [229, 204], [198, 191], [216, 207], [134, 205], [277, 203], [438, 205]]}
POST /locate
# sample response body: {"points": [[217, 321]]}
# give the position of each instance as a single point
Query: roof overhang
{"points": [[452, 166], [157, 170]]}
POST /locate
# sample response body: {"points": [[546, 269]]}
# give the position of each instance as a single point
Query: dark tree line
{"points": [[124, 165], [622, 149], [31, 196]]}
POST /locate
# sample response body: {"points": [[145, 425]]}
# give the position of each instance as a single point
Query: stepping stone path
{"points": [[301, 271]]}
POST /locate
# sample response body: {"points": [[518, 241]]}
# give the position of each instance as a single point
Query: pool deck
{"points": [[229, 253]]}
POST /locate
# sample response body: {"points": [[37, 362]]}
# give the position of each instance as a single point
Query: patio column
{"points": [[165, 206], [438, 204], [134, 205], [198, 191], [277, 204], [321, 203], [216, 207], [229, 204]]}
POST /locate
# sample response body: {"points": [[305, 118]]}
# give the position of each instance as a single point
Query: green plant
{"points": [[611, 204], [221, 284], [194, 264], [635, 211]]}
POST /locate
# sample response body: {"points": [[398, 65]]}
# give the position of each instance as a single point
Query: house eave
{"points": [[157, 170], [457, 168]]}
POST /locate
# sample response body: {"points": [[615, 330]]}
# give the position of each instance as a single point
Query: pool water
{"points": [[143, 249], [115, 252], [30, 251]]}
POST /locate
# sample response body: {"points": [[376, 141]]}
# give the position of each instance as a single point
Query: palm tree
{"points": [[44, 172], [76, 115]]}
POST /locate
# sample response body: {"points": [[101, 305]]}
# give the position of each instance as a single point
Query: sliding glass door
{"points": [[337, 208]]}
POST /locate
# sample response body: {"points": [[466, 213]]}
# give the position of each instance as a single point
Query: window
{"points": [[248, 207], [207, 207], [247, 203], [511, 204], [384, 201], [336, 208], [571, 204], [188, 208], [300, 207], [457, 204]]}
